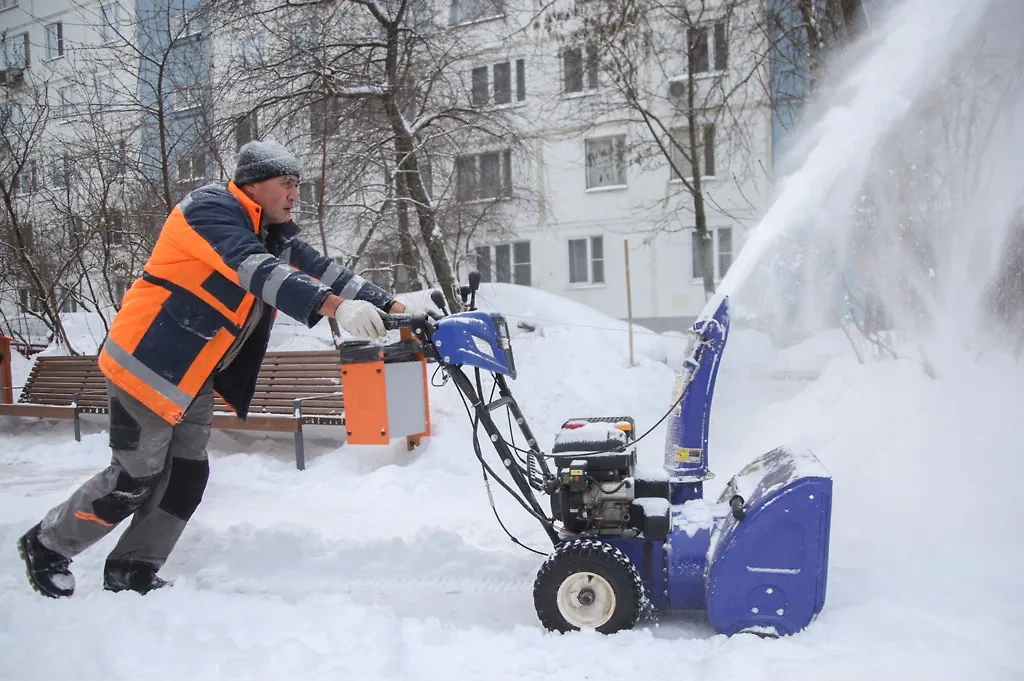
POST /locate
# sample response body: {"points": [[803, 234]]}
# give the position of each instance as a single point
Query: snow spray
{"points": [[903, 175]]}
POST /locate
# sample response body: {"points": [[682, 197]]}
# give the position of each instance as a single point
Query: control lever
{"points": [[438, 299], [474, 284]]}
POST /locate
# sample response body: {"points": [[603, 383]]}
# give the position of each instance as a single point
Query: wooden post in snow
{"points": [[629, 302]]}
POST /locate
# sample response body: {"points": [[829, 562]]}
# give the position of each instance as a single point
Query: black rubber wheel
{"points": [[587, 584]]}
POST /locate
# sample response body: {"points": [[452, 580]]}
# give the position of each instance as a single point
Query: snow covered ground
{"points": [[378, 563]]}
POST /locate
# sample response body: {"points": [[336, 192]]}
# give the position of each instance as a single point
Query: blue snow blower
{"points": [[629, 542]]}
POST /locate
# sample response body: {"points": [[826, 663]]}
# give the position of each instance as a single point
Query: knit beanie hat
{"points": [[258, 161]]}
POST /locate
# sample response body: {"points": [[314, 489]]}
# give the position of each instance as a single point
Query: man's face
{"points": [[276, 196]]}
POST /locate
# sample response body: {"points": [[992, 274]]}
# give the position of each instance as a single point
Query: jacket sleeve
{"points": [[216, 231], [341, 280]]}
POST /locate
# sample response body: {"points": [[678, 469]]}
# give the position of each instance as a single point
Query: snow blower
{"points": [[630, 542]]}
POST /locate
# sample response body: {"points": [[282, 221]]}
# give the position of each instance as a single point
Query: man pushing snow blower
{"points": [[198, 320]]}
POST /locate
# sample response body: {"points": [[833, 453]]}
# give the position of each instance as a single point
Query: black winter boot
{"points": [[131, 575], [47, 570]]}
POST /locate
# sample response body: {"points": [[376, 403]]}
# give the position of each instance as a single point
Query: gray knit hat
{"points": [[258, 161]]}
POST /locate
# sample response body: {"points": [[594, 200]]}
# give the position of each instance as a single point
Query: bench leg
{"points": [[78, 421], [300, 450]]}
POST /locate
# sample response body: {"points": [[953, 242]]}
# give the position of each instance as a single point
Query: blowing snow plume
{"points": [[899, 211]]}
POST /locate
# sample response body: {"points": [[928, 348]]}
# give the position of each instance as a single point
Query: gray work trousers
{"points": [[157, 475]]}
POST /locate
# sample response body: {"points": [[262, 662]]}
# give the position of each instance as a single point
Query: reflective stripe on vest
{"points": [[161, 385]]}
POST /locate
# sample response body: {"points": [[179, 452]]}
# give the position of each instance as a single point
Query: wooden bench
{"points": [[293, 389]]}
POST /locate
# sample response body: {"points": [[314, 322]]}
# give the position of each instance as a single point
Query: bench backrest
{"points": [[283, 377]]}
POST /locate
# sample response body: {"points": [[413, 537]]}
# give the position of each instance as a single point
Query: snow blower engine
{"points": [[631, 540], [598, 492]]}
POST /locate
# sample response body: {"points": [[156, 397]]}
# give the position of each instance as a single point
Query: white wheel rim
{"points": [[586, 600]]}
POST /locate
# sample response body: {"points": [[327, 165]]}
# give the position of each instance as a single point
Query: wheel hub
{"points": [[586, 600]]}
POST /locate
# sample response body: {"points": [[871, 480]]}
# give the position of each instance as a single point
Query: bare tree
{"points": [[375, 93], [38, 263]]}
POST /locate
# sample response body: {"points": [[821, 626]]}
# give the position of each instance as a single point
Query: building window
{"points": [[106, 90], [192, 167], [505, 263], [309, 197], [606, 163], [117, 160], [60, 170], [245, 130], [722, 252], [379, 267], [29, 300], [250, 51], [704, 41], [493, 84], [183, 23], [186, 98], [579, 68], [705, 152], [27, 239], [466, 11], [113, 227], [325, 117], [586, 260], [55, 40], [67, 300], [110, 22], [65, 102], [16, 51], [27, 181], [483, 176]]}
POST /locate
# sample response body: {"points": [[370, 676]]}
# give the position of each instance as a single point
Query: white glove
{"points": [[418, 311], [361, 319]]}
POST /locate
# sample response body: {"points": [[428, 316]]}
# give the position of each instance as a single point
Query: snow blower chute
{"points": [[628, 541]]}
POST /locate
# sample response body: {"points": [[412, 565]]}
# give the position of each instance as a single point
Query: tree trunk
{"points": [[812, 29], [700, 218], [408, 256], [405, 151], [320, 208]]}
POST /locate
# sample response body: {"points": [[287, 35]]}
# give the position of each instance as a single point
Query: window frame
{"points": [[9, 46], [489, 95], [109, 28], [30, 172], [191, 159], [706, 152], [459, 17], [504, 190], [618, 150], [590, 259], [54, 30], [489, 271], [589, 69], [716, 252], [715, 36]]}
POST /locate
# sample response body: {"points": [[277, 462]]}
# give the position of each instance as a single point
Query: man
{"points": [[197, 321]]}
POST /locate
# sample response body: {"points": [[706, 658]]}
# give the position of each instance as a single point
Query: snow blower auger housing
{"points": [[629, 540]]}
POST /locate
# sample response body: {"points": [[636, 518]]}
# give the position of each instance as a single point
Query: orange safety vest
{"points": [[162, 345]]}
